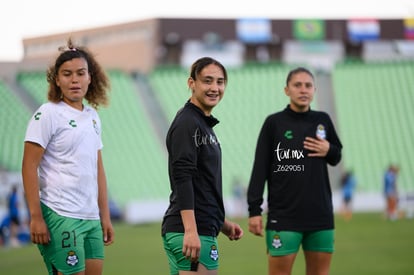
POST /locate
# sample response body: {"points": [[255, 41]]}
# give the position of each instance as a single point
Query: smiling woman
{"points": [[196, 215], [207, 84]]}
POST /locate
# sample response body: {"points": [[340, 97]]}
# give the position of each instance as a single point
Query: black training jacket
{"points": [[194, 165], [299, 192]]}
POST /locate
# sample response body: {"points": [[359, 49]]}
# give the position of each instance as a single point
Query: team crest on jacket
{"points": [[214, 253], [320, 131], [72, 259], [276, 243]]}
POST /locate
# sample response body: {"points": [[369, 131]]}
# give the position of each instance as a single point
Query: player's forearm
{"points": [[31, 189], [189, 221], [102, 190]]}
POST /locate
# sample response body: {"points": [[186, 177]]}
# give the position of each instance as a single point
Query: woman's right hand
{"points": [[39, 232], [256, 225]]}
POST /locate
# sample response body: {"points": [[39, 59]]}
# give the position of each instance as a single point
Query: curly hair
{"points": [[98, 89]]}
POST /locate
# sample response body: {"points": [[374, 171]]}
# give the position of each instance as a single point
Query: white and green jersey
{"points": [[68, 170]]}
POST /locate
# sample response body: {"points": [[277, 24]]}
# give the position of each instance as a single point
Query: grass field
{"points": [[368, 244]]}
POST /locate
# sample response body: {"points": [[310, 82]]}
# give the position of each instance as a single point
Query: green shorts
{"points": [[280, 243], [173, 244], [72, 241]]}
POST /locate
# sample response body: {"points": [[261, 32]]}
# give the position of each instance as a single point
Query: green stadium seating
{"points": [[135, 163], [14, 117], [253, 92], [374, 107], [170, 88], [35, 84], [372, 101]]}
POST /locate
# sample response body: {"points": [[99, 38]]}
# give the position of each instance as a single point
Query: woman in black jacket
{"points": [[196, 215], [293, 150]]}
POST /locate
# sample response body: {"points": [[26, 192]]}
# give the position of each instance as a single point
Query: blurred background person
{"points": [[391, 191], [238, 191], [14, 216], [348, 184]]}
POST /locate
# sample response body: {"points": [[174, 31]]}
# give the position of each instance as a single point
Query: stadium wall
{"points": [[130, 47], [141, 45]]}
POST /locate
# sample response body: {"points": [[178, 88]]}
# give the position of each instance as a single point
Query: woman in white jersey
{"points": [[63, 173]]}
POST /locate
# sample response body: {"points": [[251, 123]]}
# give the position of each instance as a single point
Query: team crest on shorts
{"points": [[276, 243], [214, 253], [72, 258]]}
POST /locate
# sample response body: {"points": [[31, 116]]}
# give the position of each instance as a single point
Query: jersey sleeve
{"points": [[97, 124], [334, 154], [259, 175], [183, 157], [40, 128]]}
